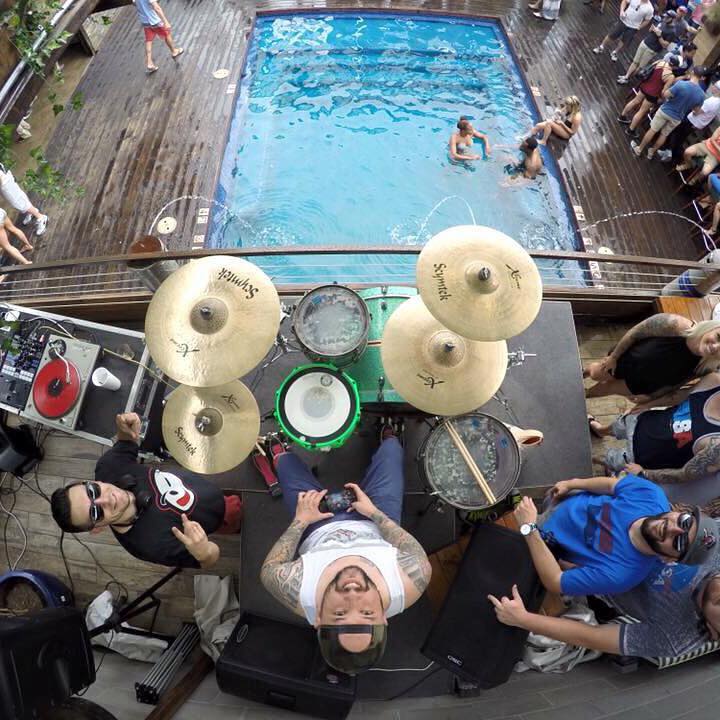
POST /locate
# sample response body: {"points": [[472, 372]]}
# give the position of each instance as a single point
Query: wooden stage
{"points": [[140, 141]]}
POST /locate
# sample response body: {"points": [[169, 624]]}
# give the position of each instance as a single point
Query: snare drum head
{"points": [[318, 406], [491, 445], [331, 321]]}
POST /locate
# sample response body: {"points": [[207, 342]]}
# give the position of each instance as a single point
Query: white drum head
{"points": [[317, 404]]}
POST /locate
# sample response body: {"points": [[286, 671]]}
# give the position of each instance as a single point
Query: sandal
{"points": [[591, 419]]}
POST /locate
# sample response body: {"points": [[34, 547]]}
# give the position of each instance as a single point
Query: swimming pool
{"points": [[340, 138]]}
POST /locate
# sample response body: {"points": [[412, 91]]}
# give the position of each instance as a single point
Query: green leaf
{"points": [[77, 101], [52, 96], [57, 109], [106, 20]]}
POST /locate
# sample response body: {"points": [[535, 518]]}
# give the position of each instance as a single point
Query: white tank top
{"points": [[339, 539]]}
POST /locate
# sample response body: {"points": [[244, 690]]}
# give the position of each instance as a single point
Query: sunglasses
{"points": [[96, 512], [680, 543]]}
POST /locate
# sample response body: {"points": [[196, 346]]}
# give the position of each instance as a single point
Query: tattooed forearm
{"points": [[411, 556], [706, 462], [660, 325], [280, 575]]}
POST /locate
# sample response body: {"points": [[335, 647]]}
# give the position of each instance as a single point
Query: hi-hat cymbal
{"points": [[211, 430], [479, 282], [212, 321], [435, 369]]}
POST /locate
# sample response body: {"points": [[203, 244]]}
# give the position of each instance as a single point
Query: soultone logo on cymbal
{"points": [[439, 276], [244, 283]]}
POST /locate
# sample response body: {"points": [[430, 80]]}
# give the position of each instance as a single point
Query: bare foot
{"points": [[27, 248], [178, 51]]}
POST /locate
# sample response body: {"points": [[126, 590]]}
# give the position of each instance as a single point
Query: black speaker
{"points": [[18, 451], [467, 638], [44, 659], [279, 663]]}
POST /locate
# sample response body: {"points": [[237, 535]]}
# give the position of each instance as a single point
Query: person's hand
{"points": [[510, 611], [194, 538], [363, 505], [168, 26], [128, 426], [608, 366], [634, 468], [560, 490], [476, 157], [307, 510], [526, 512]]}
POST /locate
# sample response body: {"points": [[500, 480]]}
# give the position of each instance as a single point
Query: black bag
{"points": [[644, 73]]}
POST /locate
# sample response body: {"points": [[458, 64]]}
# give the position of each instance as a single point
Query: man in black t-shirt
{"points": [[661, 35], [157, 515]]}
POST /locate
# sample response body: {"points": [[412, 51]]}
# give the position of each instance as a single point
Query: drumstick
{"points": [[474, 469], [259, 447]]}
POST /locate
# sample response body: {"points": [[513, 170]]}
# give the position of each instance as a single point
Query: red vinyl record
{"points": [[53, 395]]}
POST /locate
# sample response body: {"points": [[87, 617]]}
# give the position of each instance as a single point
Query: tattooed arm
{"points": [[706, 462], [281, 575], [412, 560], [660, 325]]}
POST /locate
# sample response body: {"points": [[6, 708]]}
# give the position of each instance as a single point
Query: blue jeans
{"points": [[383, 483]]}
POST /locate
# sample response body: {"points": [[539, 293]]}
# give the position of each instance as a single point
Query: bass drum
{"points": [[331, 325], [491, 445], [317, 406], [368, 371]]}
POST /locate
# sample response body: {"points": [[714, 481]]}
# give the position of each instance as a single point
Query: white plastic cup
{"points": [[103, 378]]}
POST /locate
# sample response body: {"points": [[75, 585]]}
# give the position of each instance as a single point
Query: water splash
{"points": [[707, 239], [424, 223]]}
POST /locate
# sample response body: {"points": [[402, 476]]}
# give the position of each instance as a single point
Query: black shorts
{"points": [[622, 32], [650, 98]]}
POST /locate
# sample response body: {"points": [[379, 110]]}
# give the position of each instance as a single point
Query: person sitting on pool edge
{"points": [[461, 142], [346, 574], [564, 123]]}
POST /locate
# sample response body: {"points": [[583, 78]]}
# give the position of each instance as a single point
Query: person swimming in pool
{"points": [[528, 167], [461, 142]]}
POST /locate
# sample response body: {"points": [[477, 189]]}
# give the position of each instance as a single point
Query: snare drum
{"points": [[318, 406], [331, 325], [368, 371], [491, 445]]}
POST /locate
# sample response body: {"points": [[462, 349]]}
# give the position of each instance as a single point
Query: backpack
{"points": [[644, 73]]}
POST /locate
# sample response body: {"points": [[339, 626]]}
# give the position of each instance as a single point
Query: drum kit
{"points": [[441, 350]]}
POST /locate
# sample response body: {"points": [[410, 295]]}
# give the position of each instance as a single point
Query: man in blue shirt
{"points": [[155, 24], [611, 535], [681, 98]]}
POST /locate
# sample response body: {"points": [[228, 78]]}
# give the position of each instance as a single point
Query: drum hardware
{"points": [[517, 357], [436, 370], [212, 321], [211, 430], [479, 283]]}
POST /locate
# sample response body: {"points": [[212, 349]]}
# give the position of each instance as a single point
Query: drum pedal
{"points": [[263, 466]]}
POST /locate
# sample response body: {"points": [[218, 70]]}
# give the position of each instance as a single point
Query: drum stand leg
{"points": [[435, 504]]}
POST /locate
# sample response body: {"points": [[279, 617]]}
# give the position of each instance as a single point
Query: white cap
{"points": [[716, 85]]}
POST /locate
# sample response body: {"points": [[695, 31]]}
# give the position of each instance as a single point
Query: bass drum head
{"points": [[318, 406], [492, 447], [331, 323]]}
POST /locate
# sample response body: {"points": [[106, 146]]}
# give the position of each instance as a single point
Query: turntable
{"points": [[61, 382]]}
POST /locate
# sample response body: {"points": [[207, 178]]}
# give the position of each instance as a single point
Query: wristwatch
{"points": [[527, 528]]}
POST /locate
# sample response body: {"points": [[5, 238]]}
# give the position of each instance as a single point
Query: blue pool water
{"points": [[340, 137]]}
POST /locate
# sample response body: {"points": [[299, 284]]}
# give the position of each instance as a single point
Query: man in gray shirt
{"points": [[677, 609]]}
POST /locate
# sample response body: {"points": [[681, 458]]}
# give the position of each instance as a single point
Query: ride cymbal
{"points": [[212, 321], [435, 369], [479, 282], [211, 430]]}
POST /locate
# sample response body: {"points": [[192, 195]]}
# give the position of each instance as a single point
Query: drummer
{"points": [[158, 516], [611, 535], [346, 574]]}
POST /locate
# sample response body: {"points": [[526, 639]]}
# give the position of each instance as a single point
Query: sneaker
{"points": [[634, 134], [391, 428], [665, 155], [27, 219], [614, 56], [622, 119], [636, 148], [622, 80], [599, 50], [41, 225], [651, 153]]}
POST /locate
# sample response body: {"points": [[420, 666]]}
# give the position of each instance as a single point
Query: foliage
{"points": [[46, 181], [711, 19]]}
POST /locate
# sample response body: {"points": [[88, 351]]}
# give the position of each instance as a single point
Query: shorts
{"points": [[623, 429], [644, 55], [155, 31], [714, 180], [663, 124], [622, 32], [12, 192], [652, 99]]}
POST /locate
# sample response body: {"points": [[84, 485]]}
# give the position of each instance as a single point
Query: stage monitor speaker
{"points": [[44, 659], [467, 638], [279, 664]]}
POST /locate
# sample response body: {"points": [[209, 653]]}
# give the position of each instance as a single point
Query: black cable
{"points": [[64, 559], [102, 567], [415, 684], [13, 492], [102, 660], [30, 487]]}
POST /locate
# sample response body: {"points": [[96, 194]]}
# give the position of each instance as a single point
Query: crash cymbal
{"points": [[479, 282], [211, 430], [435, 369], [212, 321]]}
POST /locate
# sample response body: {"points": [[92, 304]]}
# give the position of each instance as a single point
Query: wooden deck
{"points": [[141, 141]]}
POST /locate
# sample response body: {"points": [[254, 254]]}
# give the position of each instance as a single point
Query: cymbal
{"points": [[479, 282], [211, 430], [435, 369], [212, 321]]}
